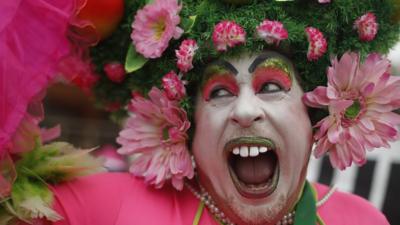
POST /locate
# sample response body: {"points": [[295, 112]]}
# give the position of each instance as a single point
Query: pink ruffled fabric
{"points": [[32, 40], [120, 199]]}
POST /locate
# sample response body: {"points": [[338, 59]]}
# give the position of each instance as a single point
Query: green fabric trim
{"points": [[198, 213], [319, 219], [306, 210]]}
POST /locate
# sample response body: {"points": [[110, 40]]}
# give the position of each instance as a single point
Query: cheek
{"points": [[298, 142], [208, 122]]}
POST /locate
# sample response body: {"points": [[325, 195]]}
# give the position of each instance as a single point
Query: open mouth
{"points": [[253, 166]]}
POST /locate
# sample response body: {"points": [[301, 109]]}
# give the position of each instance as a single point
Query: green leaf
{"points": [[187, 24], [134, 60]]}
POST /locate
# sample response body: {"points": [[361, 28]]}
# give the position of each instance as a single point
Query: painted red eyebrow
{"points": [[271, 74], [221, 80]]}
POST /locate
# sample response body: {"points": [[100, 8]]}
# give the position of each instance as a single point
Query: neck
{"points": [[201, 194]]}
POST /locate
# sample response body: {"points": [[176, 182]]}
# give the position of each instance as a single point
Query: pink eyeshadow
{"points": [[276, 75], [226, 81]]}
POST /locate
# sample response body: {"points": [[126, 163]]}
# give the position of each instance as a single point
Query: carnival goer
{"points": [[218, 129]]}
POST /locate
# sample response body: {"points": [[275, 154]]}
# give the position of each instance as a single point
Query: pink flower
{"points": [[324, 1], [317, 43], [366, 26], [115, 71], [360, 99], [272, 31], [185, 55], [173, 86], [228, 33], [154, 26], [78, 69], [156, 134]]}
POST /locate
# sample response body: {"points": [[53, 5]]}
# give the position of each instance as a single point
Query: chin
{"points": [[258, 214], [255, 187]]}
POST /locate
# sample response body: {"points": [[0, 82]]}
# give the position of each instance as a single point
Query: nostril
{"points": [[257, 118]]}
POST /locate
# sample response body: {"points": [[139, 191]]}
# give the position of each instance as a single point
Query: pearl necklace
{"points": [[203, 196]]}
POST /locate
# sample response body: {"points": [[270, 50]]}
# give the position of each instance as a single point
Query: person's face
{"points": [[253, 137]]}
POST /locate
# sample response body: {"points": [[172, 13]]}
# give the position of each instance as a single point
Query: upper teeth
{"points": [[252, 151]]}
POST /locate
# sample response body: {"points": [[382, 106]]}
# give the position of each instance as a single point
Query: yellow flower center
{"points": [[159, 28]]}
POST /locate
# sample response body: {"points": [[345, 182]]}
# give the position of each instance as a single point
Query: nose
{"points": [[247, 109]]}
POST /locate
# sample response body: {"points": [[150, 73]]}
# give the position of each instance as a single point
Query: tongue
{"points": [[255, 170]]}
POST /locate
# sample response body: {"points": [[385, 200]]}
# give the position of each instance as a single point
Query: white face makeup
{"points": [[253, 137]]}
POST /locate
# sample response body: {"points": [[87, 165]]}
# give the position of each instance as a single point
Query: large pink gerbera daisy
{"points": [[360, 99], [156, 134], [154, 26]]}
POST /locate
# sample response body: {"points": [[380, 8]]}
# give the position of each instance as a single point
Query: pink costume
{"points": [[121, 199]]}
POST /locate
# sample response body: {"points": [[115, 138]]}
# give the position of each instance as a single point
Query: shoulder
{"points": [[98, 194], [96, 187], [118, 198], [345, 209]]}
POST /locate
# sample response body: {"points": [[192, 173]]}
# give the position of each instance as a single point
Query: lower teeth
{"points": [[259, 186]]}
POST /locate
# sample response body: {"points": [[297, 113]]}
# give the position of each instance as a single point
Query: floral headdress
{"points": [[330, 42]]}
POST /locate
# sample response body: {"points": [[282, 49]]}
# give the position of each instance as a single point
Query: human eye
{"points": [[270, 87], [271, 80], [220, 87], [220, 92]]}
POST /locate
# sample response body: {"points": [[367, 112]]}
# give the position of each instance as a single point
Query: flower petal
{"points": [[316, 98]]}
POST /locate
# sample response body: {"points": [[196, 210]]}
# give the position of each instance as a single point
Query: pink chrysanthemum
{"points": [[360, 99], [317, 43], [173, 86], [272, 31], [154, 26], [185, 55], [228, 33], [156, 134], [366, 26]]}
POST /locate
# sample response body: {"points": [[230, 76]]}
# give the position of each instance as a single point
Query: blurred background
{"points": [[85, 126]]}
